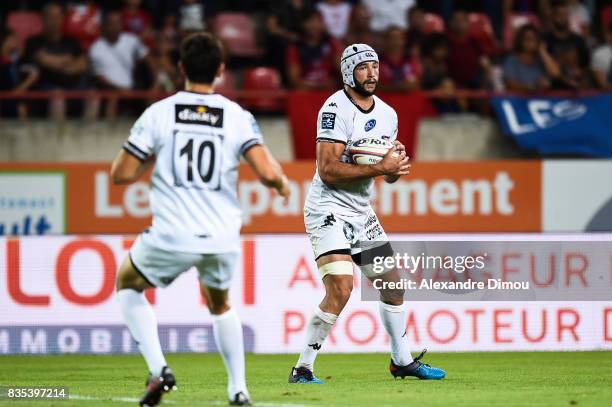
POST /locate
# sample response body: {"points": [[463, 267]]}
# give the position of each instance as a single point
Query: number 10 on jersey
{"points": [[197, 160]]}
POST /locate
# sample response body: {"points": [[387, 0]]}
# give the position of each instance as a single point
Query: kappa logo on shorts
{"points": [[199, 114], [329, 221], [328, 121], [370, 124], [349, 232]]}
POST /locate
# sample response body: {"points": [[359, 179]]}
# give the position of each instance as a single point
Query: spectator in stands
{"points": [[59, 59], [561, 38], [601, 61], [165, 57], [138, 21], [415, 33], [114, 56], [82, 21], [435, 76], [312, 62], [434, 54], [397, 69], [336, 15], [579, 17], [388, 13], [282, 29], [468, 65], [530, 67], [14, 75], [574, 75], [191, 16], [359, 31]]}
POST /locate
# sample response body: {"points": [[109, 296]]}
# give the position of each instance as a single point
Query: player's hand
{"points": [[284, 189], [399, 147], [394, 163]]}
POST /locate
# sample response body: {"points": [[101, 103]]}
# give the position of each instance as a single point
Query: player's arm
{"points": [[127, 168], [268, 170], [335, 172]]}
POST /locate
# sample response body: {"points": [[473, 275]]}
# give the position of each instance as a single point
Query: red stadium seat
{"points": [[514, 22], [262, 78], [24, 24], [606, 17], [433, 23], [237, 31], [482, 30]]}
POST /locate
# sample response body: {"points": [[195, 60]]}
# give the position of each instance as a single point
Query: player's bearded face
{"points": [[366, 78]]}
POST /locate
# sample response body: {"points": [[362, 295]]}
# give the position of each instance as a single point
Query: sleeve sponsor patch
{"points": [[328, 120]]}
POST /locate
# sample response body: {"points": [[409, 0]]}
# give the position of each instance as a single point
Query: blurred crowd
{"points": [[444, 45]]}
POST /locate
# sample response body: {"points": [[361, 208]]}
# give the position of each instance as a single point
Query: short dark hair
{"points": [[431, 42], [201, 56], [517, 44], [558, 3]]}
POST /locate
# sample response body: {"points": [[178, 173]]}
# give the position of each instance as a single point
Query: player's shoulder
{"points": [[383, 107], [337, 103]]}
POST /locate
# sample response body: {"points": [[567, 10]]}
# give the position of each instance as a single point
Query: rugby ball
{"points": [[368, 151]]}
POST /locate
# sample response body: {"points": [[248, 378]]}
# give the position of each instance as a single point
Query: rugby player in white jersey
{"points": [[339, 219], [195, 140]]}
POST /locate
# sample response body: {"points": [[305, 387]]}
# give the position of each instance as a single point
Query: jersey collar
{"points": [[357, 106]]}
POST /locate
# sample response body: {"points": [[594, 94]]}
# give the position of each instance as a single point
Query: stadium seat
{"points": [[237, 31], [513, 22], [606, 16], [24, 24], [262, 79], [433, 23], [482, 30]]}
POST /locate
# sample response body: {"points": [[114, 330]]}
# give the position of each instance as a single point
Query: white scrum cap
{"points": [[352, 56]]}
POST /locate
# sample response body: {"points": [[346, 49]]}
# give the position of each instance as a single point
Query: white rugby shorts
{"points": [[161, 267], [333, 233]]}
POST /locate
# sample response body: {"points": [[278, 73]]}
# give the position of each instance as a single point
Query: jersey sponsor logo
{"points": [[370, 124], [328, 121], [199, 114]]}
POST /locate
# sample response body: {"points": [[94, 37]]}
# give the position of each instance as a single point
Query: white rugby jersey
{"points": [[341, 121], [197, 140]]}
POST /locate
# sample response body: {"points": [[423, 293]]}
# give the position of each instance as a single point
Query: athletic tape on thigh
{"points": [[337, 268]]}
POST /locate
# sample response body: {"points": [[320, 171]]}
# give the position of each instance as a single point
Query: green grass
{"points": [[473, 379]]}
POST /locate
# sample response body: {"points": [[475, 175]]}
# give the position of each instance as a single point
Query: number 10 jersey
{"points": [[197, 140]]}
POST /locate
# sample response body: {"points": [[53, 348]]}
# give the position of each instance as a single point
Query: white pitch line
{"points": [[121, 399], [269, 404], [165, 401]]}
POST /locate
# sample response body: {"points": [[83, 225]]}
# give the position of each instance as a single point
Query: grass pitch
{"points": [[473, 379]]}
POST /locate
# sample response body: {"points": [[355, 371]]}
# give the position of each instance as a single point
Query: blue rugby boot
{"points": [[417, 369], [303, 376]]}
